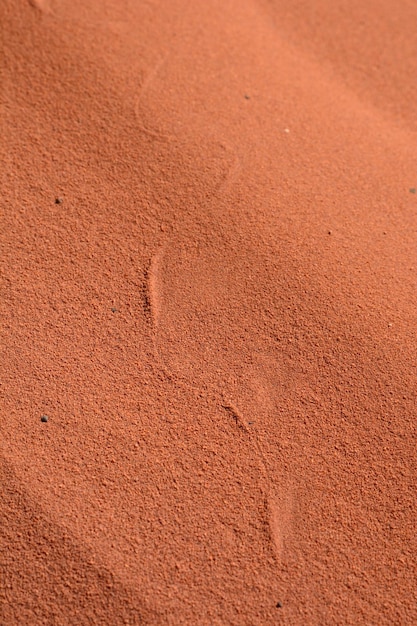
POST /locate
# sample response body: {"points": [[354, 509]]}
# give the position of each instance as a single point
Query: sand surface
{"points": [[209, 262]]}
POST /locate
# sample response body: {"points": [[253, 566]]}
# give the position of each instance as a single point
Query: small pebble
{"points": [[44, 418], [413, 190], [279, 605], [329, 232], [58, 201], [113, 309], [247, 97]]}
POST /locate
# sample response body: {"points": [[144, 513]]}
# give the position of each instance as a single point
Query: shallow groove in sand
{"points": [[277, 510]]}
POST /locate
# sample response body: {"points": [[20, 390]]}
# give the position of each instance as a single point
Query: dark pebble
{"points": [[279, 605], [113, 309], [58, 201], [247, 97], [44, 418], [413, 190]]}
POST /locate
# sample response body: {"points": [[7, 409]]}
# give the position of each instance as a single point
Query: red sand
{"points": [[218, 317]]}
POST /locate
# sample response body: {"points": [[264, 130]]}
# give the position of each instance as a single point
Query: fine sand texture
{"points": [[209, 312]]}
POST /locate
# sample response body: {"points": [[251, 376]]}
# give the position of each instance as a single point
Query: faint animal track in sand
{"points": [[277, 504], [278, 507], [230, 171], [279, 514], [243, 425], [151, 290], [236, 417], [42, 5], [149, 78], [151, 293]]}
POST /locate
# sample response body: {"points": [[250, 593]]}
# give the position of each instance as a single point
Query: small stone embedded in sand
{"points": [[279, 605], [44, 418], [247, 97], [413, 190], [58, 201], [113, 309]]}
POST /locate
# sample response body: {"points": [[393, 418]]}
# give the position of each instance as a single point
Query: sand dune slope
{"points": [[209, 229]]}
